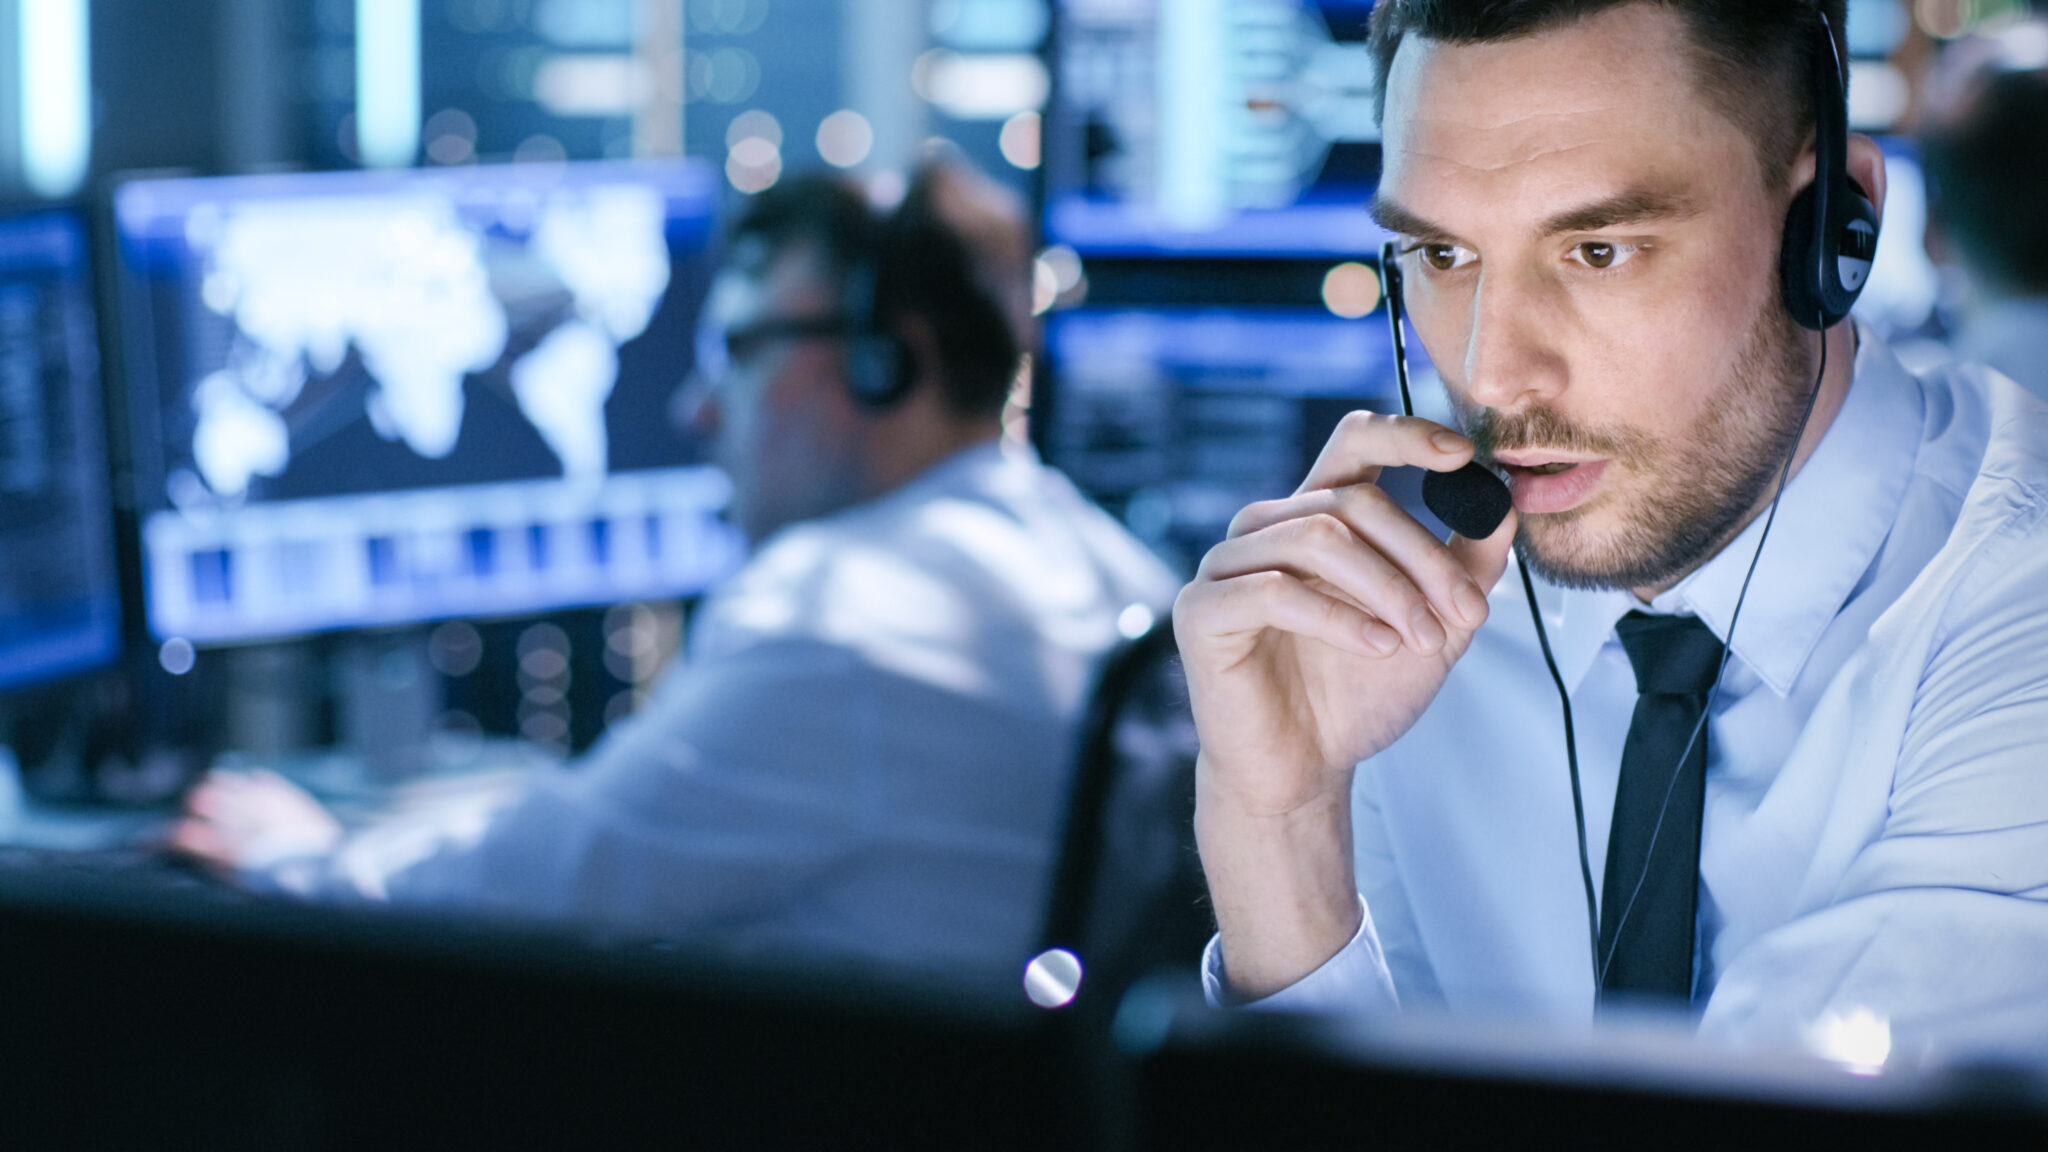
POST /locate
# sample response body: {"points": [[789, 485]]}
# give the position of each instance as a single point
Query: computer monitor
{"points": [[60, 597], [1212, 127], [1175, 418], [362, 398]]}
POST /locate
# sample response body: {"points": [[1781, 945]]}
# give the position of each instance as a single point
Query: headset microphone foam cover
{"points": [[1471, 501]]}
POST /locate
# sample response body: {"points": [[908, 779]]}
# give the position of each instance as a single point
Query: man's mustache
{"points": [[1545, 429]]}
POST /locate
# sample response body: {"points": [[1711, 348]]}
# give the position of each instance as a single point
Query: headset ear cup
{"points": [[1799, 264], [877, 371], [864, 375], [1855, 246], [903, 369], [1820, 283]]}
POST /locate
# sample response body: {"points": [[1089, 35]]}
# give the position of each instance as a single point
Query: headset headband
{"points": [[1831, 139]]}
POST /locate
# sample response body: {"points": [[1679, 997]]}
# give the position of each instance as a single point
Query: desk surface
{"points": [[457, 772]]}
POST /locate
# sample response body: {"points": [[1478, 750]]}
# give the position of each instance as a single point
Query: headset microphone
{"points": [[1471, 501]]}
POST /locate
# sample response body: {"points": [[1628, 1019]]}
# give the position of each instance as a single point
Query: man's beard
{"points": [[1691, 496]]}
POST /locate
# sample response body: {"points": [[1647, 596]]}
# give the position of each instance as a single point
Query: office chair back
{"points": [[1128, 897]]}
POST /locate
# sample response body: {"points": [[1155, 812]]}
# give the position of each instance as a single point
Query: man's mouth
{"points": [[1536, 463], [1545, 484]]}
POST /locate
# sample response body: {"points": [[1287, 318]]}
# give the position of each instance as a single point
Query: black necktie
{"points": [[1649, 894]]}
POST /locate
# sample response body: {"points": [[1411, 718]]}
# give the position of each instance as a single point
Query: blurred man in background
{"points": [[1984, 133], [866, 749]]}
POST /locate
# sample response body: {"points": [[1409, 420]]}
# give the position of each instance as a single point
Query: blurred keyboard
{"points": [[131, 870]]}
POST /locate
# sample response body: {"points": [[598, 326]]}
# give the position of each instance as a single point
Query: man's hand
{"points": [[238, 820], [1314, 637]]}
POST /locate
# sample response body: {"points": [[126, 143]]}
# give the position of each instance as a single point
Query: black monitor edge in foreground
{"points": [[1228, 1080], [140, 1018], [137, 1016]]}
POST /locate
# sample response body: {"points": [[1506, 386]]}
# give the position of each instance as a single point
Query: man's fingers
{"points": [[1382, 526], [203, 845], [200, 839], [1457, 599], [1324, 547], [1366, 442], [1485, 560], [214, 791], [264, 777], [1270, 599]]}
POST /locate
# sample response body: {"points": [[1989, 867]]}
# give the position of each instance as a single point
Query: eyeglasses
{"points": [[746, 341], [718, 352]]}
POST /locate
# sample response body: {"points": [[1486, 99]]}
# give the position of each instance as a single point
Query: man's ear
{"points": [[921, 344], [1866, 168], [1934, 241]]}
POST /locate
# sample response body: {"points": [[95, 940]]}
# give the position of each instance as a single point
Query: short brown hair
{"points": [[925, 263], [1752, 56]]}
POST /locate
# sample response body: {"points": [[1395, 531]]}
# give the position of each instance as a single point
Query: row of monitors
{"points": [[347, 399], [344, 400], [1218, 128], [1212, 128]]}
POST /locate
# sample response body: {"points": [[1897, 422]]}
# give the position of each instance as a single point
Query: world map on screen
{"points": [[425, 292]]}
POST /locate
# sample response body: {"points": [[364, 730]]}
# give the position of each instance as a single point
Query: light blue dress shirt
{"points": [[1875, 843], [865, 755]]}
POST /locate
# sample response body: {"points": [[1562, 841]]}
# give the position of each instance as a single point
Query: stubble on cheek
{"points": [[1667, 504]]}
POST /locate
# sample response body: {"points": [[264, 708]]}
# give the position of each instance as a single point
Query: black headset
{"points": [[916, 261], [880, 369], [1824, 262], [1831, 228]]}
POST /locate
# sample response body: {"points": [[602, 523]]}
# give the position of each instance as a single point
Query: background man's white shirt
{"points": [[2011, 336], [866, 752], [1876, 828]]}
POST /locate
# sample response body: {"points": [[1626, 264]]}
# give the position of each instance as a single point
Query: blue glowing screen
{"points": [[374, 398]]}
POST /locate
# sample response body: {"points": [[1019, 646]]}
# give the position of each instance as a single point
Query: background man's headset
{"points": [[880, 370], [917, 260], [1830, 239], [911, 259]]}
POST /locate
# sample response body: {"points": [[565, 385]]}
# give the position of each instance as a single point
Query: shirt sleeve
{"points": [[1355, 980], [1939, 923], [727, 796]]}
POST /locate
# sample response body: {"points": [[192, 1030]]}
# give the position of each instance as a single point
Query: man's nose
{"points": [[1511, 357]]}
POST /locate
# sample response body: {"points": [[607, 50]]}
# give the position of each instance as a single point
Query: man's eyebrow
{"points": [[1391, 216], [1635, 206]]}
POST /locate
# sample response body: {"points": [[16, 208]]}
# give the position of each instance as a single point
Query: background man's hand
{"points": [[1313, 637], [239, 820]]}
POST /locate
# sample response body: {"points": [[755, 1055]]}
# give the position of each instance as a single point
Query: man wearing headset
{"points": [[866, 750], [1847, 818]]}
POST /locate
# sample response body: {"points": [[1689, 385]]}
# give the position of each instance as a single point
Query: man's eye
{"points": [[740, 348], [1601, 254], [1443, 257]]}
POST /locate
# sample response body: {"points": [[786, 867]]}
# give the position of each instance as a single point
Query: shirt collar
{"points": [[1833, 517], [959, 470]]}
